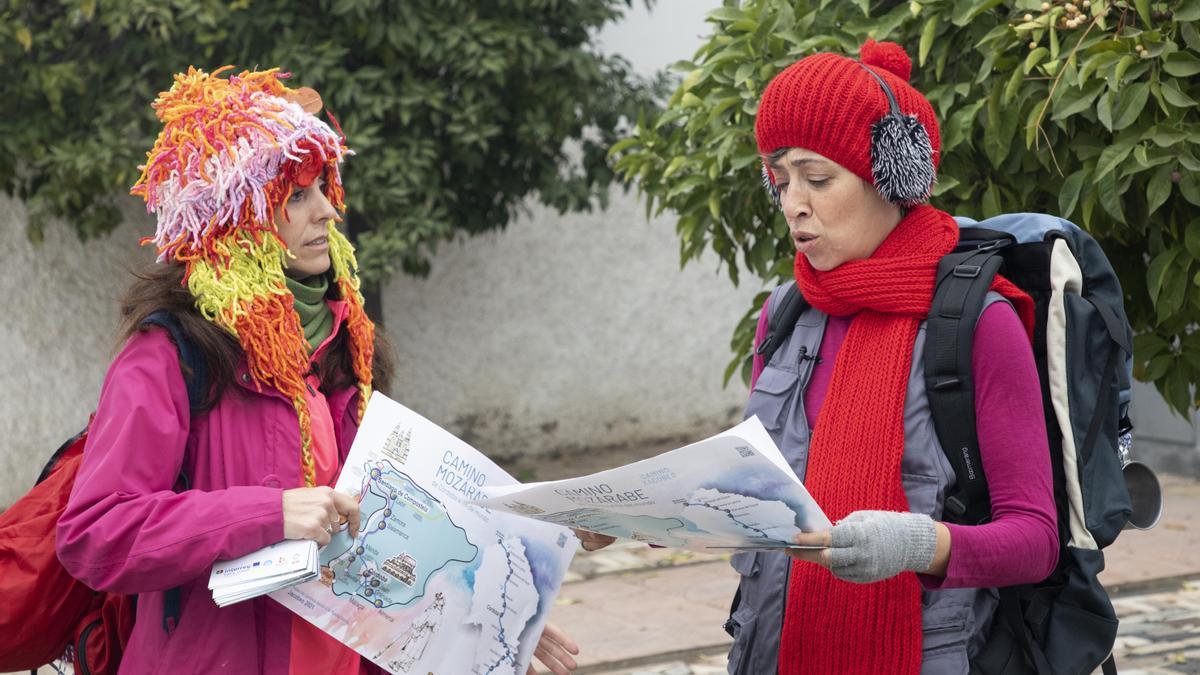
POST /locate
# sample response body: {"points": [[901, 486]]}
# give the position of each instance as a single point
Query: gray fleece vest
{"points": [[956, 621]]}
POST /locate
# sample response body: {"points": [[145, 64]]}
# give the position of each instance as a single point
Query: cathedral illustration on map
{"points": [[398, 444]]}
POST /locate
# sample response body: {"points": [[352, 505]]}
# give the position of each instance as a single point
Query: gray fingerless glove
{"points": [[875, 545]]}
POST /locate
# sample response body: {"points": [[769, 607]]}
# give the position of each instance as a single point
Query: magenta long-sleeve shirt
{"points": [[1020, 543]]}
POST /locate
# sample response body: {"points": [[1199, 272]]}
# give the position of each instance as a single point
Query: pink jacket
{"points": [[125, 530]]}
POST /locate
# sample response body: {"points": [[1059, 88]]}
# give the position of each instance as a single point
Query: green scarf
{"points": [[315, 316]]}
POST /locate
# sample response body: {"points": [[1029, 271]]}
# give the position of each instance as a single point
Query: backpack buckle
{"points": [[991, 245], [764, 345], [946, 383], [967, 271]]}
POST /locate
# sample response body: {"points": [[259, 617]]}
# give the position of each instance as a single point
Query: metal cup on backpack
{"points": [[1145, 493]]}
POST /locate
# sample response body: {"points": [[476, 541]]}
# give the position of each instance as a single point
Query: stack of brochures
{"points": [[277, 566]]}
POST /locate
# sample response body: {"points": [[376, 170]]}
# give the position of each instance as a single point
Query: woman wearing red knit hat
{"points": [[850, 154]]}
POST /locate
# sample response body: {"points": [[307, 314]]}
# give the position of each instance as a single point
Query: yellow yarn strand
{"points": [[362, 331], [249, 298], [252, 270]]}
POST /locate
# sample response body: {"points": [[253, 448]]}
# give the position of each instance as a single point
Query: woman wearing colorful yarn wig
{"points": [[245, 183], [850, 154]]}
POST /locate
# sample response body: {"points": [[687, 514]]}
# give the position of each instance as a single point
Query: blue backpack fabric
{"points": [[1082, 345]]}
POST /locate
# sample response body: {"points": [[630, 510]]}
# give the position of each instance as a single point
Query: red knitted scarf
{"points": [[833, 626]]}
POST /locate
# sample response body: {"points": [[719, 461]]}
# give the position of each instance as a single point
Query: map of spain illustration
{"points": [[432, 582], [406, 538], [393, 509]]}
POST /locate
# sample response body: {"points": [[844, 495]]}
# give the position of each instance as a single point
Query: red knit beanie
{"points": [[830, 104]]}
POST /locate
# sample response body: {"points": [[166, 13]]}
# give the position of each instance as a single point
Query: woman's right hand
{"points": [[316, 513]]}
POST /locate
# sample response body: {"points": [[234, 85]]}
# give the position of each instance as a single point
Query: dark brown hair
{"points": [[161, 288]]}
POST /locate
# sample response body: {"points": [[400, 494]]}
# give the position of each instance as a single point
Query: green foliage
{"points": [[458, 109], [1090, 114]]}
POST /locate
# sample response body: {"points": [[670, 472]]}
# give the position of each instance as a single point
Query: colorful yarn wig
{"points": [[230, 153]]}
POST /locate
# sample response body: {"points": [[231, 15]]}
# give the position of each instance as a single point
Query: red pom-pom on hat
{"points": [[887, 55]]}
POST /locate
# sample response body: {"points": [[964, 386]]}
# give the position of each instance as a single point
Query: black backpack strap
{"points": [[196, 377], [781, 322], [963, 281]]}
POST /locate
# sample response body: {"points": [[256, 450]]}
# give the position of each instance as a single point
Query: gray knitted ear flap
{"points": [[769, 187], [901, 154]]}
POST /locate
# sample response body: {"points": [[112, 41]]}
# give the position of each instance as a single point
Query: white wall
{"points": [[568, 332], [59, 327]]}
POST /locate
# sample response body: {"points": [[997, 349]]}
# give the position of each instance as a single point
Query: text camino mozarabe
{"points": [[601, 494], [461, 476]]}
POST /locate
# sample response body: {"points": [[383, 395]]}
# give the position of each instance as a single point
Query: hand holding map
{"points": [[432, 582]]}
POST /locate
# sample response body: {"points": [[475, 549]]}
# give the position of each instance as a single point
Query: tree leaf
{"points": [[928, 33], [1158, 366], [944, 184], [1191, 239], [1013, 86], [1110, 197], [1175, 95], [1187, 10], [1158, 270], [1143, 10], [1112, 156], [1174, 288], [725, 14], [1123, 67], [1130, 105], [1187, 30], [966, 10], [1035, 57], [1077, 100], [991, 201], [1104, 110], [1158, 189], [24, 38], [1189, 186], [1068, 194], [1181, 64], [1094, 63]]}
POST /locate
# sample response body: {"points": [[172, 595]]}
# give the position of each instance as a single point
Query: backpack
{"points": [[47, 613], [1083, 349]]}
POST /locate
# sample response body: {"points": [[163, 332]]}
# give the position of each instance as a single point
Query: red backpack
{"points": [[47, 613]]}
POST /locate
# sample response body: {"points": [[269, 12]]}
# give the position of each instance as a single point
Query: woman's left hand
{"points": [[555, 650], [868, 546], [593, 541]]}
